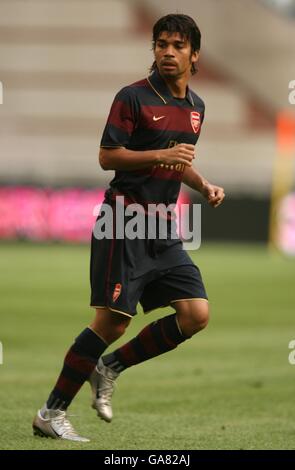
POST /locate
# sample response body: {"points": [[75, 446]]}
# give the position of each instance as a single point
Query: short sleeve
{"points": [[203, 115], [122, 120]]}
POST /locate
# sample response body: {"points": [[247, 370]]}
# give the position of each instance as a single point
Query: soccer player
{"points": [[149, 140]]}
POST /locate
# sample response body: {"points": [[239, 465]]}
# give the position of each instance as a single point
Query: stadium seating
{"points": [[62, 62]]}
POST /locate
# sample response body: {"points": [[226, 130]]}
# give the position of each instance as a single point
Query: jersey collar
{"points": [[159, 86]]}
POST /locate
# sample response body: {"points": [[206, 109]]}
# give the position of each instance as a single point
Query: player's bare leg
{"points": [[192, 315], [109, 325]]}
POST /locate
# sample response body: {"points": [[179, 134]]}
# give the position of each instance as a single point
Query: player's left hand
{"points": [[213, 194]]}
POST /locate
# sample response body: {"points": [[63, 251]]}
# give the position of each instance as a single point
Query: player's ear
{"points": [[195, 57]]}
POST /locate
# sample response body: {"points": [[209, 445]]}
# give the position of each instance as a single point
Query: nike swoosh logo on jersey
{"points": [[158, 118]]}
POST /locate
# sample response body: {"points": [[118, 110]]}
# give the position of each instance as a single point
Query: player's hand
{"points": [[181, 153], [213, 194]]}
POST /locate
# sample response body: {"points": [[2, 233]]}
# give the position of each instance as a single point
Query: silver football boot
{"points": [[102, 382], [55, 424]]}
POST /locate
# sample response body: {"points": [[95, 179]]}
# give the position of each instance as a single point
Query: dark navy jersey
{"points": [[145, 116]]}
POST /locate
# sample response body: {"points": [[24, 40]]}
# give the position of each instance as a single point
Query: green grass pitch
{"points": [[230, 387]]}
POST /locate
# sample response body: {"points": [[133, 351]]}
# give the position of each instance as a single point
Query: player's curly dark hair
{"points": [[178, 23]]}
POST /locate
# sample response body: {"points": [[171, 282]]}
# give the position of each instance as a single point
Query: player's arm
{"points": [[214, 194], [120, 158]]}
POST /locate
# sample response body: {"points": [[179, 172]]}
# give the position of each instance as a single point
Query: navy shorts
{"points": [[124, 273]]}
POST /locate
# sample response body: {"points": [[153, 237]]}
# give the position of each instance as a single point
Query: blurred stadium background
{"points": [[61, 62]]}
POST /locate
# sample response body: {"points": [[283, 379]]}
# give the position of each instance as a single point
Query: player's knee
{"points": [[117, 326], [195, 318], [109, 325], [202, 318], [120, 327]]}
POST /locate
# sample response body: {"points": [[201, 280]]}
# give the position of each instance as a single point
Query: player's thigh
{"points": [[173, 285]]}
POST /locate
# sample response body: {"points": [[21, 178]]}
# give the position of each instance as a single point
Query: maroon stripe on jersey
{"points": [[79, 363], [128, 201], [140, 83], [161, 171], [166, 174], [168, 118], [121, 117]]}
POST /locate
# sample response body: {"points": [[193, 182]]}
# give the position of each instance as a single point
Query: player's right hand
{"points": [[180, 153]]}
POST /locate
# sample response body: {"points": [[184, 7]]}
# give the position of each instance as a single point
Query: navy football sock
{"points": [[78, 365], [156, 338]]}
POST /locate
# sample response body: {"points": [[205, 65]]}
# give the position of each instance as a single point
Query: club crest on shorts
{"points": [[195, 121], [117, 291]]}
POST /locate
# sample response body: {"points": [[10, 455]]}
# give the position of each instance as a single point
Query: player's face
{"points": [[174, 56]]}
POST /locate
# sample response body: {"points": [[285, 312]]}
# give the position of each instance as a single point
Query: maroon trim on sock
{"points": [[67, 387], [155, 339], [128, 355], [170, 343], [148, 342], [81, 364]]}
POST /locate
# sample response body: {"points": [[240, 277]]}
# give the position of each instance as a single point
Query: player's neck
{"points": [[177, 86]]}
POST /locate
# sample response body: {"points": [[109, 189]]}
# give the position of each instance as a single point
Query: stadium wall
{"points": [[68, 214]]}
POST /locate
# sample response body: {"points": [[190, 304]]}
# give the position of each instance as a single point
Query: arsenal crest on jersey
{"points": [[117, 291], [195, 121]]}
